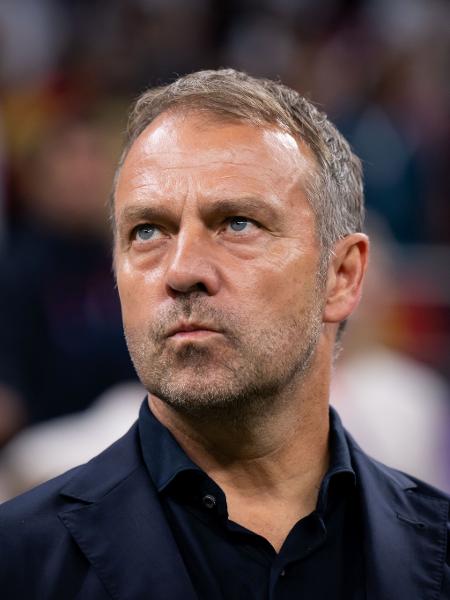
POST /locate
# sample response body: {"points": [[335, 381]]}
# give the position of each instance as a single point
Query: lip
{"points": [[185, 329]]}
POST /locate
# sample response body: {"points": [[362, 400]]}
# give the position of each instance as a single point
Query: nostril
{"points": [[199, 288]]}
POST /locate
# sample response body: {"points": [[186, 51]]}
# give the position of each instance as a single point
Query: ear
{"points": [[345, 276]]}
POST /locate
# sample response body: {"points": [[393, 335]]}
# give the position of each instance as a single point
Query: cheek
{"points": [[280, 278], [278, 298], [138, 292]]}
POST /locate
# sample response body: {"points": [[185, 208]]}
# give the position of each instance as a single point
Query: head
{"points": [[237, 213]]}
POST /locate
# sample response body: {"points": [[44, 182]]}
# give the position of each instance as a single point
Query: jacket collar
{"points": [[118, 524]]}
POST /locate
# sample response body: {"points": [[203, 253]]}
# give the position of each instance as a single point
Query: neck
{"points": [[270, 467], [286, 444]]}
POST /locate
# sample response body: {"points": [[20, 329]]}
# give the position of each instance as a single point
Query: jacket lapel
{"points": [[120, 527], [405, 533]]}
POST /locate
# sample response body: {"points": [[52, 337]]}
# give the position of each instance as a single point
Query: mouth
{"points": [[192, 331]]}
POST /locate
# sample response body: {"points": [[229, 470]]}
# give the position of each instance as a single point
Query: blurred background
{"points": [[69, 70]]}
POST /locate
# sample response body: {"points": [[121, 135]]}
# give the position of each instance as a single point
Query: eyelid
{"points": [[242, 218]]}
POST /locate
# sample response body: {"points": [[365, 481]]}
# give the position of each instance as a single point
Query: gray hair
{"points": [[334, 189]]}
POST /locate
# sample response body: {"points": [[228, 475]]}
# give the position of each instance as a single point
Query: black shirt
{"points": [[321, 557]]}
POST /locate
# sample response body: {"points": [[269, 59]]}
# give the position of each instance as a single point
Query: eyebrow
{"points": [[236, 206], [226, 206], [133, 213]]}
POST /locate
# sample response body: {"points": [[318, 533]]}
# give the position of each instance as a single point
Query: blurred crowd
{"points": [[68, 71]]}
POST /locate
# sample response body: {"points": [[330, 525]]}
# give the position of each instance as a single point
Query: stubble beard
{"points": [[244, 375]]}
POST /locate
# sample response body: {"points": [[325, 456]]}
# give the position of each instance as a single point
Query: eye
{"points": [[145, 232], [239, 223]]}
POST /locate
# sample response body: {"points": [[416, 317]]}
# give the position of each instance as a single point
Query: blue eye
{"points": [[144, 232], [239, 223]]}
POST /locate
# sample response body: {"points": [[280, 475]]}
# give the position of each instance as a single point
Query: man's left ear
{"points": [[345, 276]]}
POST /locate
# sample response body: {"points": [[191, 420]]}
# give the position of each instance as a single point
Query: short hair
{"points": [[334, 189]]}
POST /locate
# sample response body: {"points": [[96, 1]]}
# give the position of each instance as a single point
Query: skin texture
{"points": [[229, 318]]}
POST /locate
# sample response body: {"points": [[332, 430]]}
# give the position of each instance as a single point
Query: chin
{"points": [[191, 389]]}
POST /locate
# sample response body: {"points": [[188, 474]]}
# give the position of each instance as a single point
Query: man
{"points": [[238, 255]]}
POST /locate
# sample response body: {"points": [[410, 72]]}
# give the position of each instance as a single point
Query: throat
{"points": [[273, 520]]}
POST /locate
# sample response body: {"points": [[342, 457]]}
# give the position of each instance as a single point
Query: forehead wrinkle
{"points": [[151, 173], [228, 186], [208, 162], [289, 166], [284, 151], [155, 182], [278, 146]]}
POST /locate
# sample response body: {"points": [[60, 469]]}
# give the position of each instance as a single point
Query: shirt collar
{"points": [[165, 459], [163, 456], [340, 468]]}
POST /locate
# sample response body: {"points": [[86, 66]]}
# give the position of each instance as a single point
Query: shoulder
{"points": [[30, 531], [39, 500], [33, 531], [403, 516], [390, 497], [374, 472], [378, 481], [34, 514]]}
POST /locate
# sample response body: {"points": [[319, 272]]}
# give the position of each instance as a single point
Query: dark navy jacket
{"points": [[98, 532]]}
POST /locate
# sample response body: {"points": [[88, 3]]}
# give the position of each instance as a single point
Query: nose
{"points": [[191, 265]]}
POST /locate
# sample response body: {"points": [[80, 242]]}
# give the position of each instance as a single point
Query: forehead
{"points": [[196, 149]]}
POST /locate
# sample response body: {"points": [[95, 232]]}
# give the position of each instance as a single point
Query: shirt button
{"points": [[209, 501]]}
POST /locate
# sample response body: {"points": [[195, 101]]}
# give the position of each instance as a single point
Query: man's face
{"points": [[217, 261]]}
